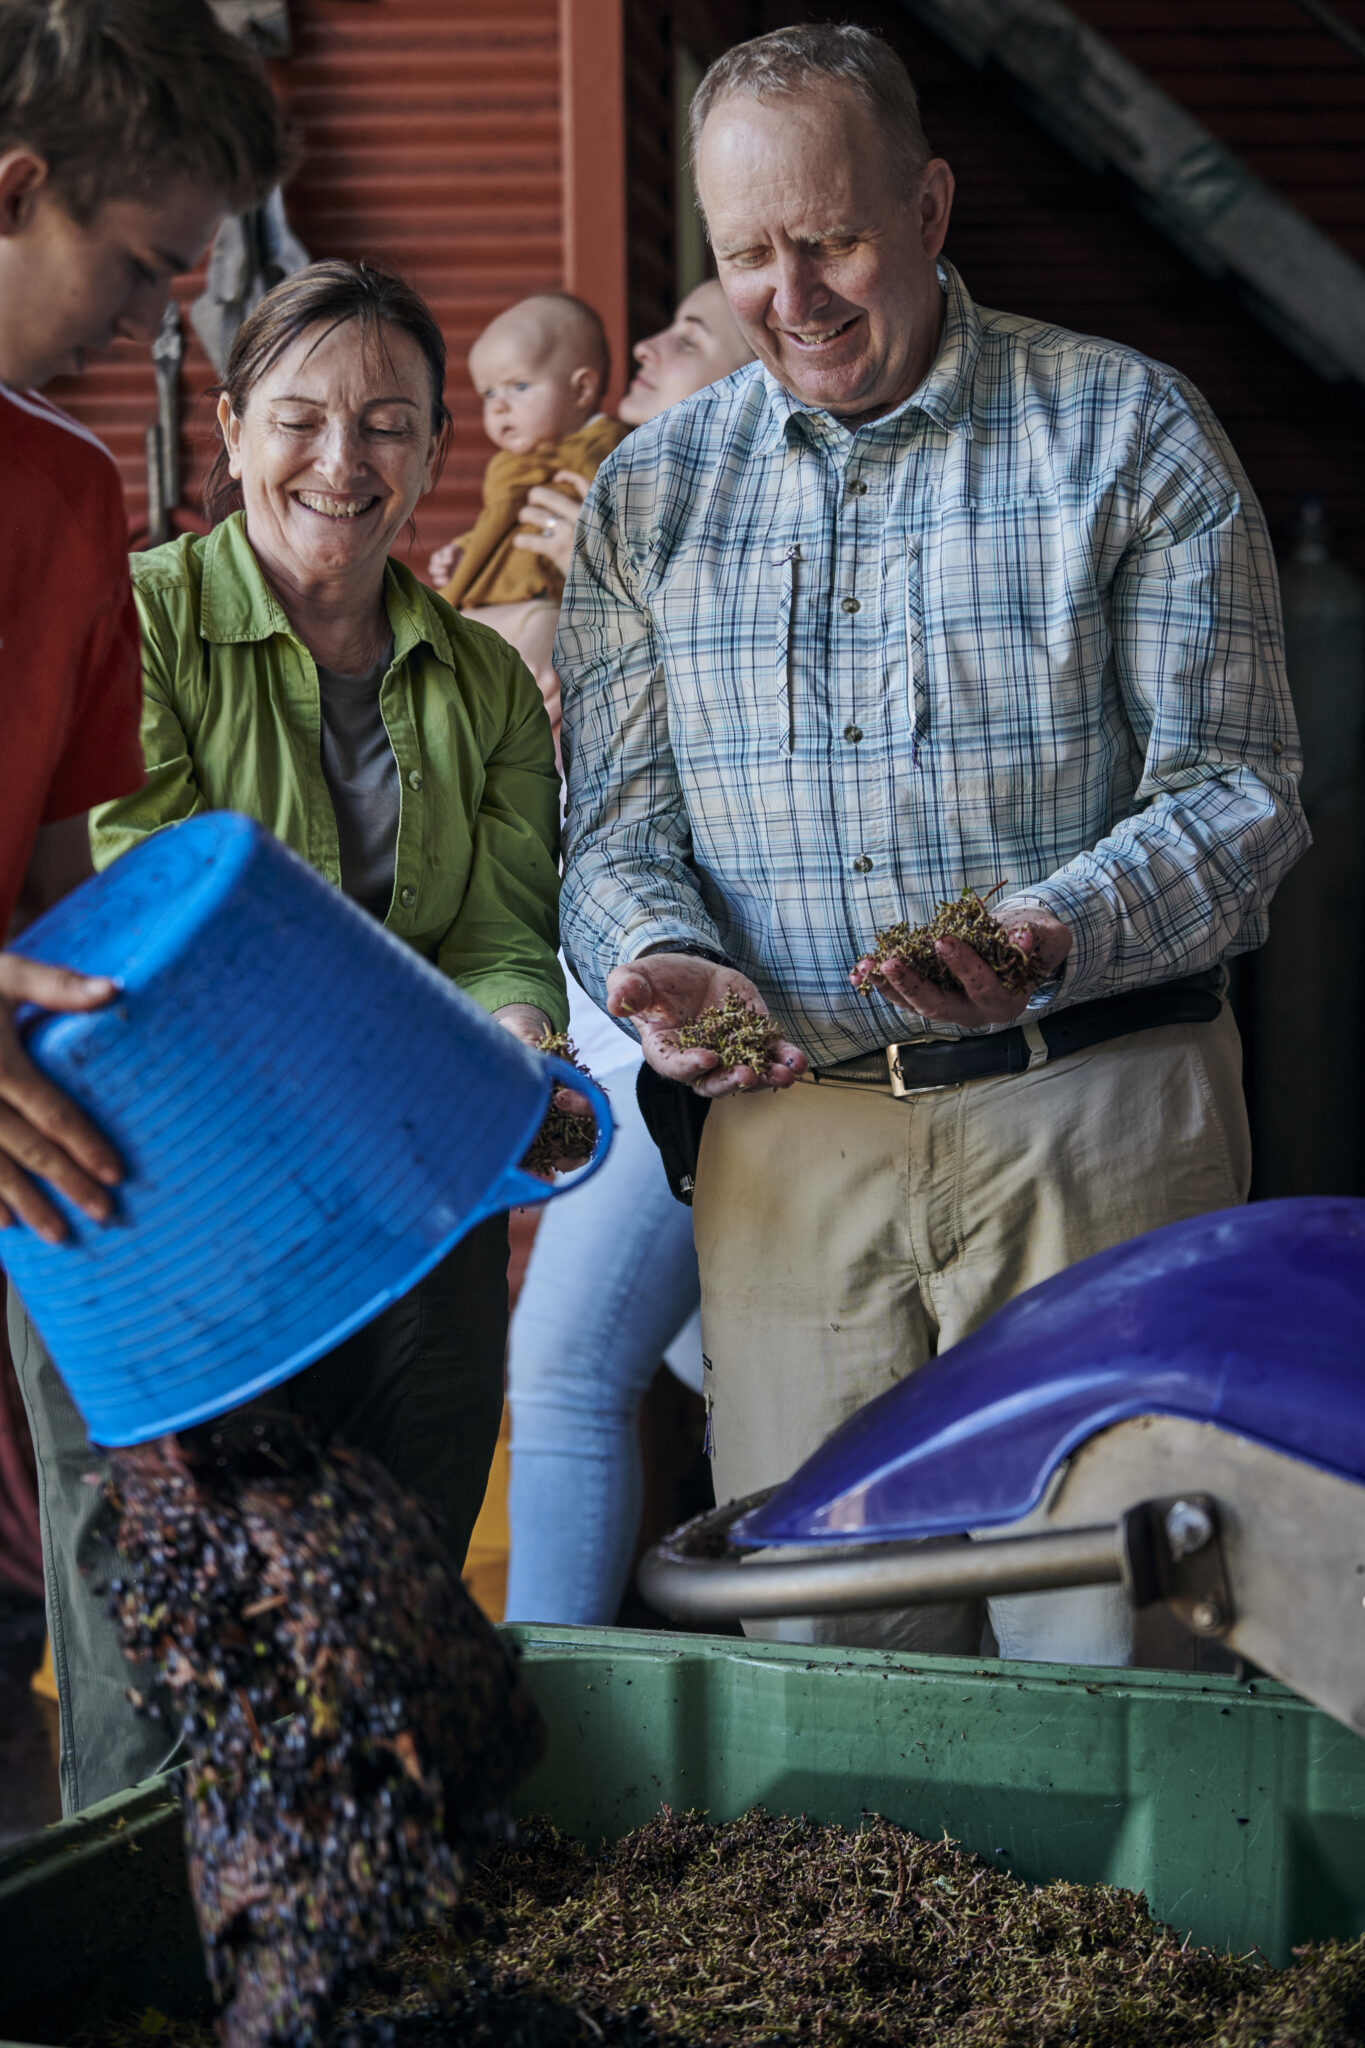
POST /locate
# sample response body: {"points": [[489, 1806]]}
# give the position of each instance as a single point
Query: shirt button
{"points": [[862, 866], [849, 604], [1277, 748], [853, 733], [857, 488], [414, 779], [407, 897]]}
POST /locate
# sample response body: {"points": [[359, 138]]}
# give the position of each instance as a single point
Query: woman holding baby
{"points": [[612, 1282], [295, 671], [540, 370], [700, 345]]}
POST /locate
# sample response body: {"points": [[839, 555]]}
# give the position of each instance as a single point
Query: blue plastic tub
{"points": [[311, 1117]]}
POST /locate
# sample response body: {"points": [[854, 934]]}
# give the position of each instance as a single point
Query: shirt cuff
{"points": [[494, 992], [694, 952], [662, 935], [1087, 918]]}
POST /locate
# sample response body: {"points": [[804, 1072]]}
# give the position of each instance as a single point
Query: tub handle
{"points": [[517, 1189]]}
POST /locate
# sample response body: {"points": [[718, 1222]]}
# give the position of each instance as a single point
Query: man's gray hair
{"points": [[803, 59]]}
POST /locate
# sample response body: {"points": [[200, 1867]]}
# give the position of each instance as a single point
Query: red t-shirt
{"points": [[70, 673]]}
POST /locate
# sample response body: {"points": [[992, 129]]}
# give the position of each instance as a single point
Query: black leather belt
{"points": [[915, 1065]]}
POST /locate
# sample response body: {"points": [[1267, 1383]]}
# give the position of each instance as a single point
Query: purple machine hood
{"points": [[1252, 1318]]}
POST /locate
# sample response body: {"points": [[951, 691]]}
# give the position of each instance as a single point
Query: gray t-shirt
{"points": [[362, 776]]}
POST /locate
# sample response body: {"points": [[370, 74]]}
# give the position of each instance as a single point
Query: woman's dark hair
{"points": [[325, 295]]}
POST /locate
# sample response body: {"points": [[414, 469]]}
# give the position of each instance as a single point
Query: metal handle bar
{"points": [[691, 1576]]}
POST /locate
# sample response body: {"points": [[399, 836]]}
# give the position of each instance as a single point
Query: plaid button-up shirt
{"points": [[1024, 628]]}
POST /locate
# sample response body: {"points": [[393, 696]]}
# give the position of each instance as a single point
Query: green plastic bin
{"points": [[1238, 1809]]}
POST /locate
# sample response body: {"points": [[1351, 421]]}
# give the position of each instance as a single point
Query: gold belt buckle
{"points": [[1033, 1037], [893, 1068]]}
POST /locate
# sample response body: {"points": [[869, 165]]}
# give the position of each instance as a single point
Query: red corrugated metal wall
{"points": [[432, 137]]}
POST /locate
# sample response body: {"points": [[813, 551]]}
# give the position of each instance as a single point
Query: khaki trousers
{"points": [[845, 1238]]}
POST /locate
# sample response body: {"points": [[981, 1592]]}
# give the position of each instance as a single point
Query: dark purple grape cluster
{"points": [[355, 1727]]}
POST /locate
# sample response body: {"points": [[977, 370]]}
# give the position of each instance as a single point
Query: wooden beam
{"points": [[1302, 285], [592, 41]]}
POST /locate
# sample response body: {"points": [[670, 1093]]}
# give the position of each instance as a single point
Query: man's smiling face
{"points": [[826, 253]]}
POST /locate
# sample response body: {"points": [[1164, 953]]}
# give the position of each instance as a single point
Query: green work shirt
{"points": [[232, 720]]}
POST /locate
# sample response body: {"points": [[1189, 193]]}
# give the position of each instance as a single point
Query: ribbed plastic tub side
{"points": [[96, 1921], [1238, 1809]]}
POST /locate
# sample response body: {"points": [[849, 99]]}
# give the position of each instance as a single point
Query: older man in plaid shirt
{"points": [[928, 597]]}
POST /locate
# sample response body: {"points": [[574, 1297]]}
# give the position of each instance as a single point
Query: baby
{"points": [[541, 369]]}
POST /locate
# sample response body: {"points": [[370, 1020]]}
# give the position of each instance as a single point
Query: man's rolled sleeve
{"points": [[629, 884], [1187, 878]]}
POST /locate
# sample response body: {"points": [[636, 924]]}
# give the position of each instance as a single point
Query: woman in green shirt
{"points": [[294, 671]]}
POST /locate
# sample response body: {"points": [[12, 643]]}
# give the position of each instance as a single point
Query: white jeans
{"points": [[845, 1238], [611, 1286]]}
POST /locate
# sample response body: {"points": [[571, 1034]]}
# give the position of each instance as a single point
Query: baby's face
{"points": [[531, 399]]}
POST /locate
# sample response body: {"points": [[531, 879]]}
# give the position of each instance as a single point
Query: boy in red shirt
{"points": [[70, 693], [127, 129]]}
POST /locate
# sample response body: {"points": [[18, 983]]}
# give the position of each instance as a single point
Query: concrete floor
{"points": [[29, 1792]]}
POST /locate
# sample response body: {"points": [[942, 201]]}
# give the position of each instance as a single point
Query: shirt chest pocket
{"points": [[726, 619], [1015, 629]]}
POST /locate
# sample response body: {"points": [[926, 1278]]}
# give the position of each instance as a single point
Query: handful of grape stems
{"points": [[967, 919], [737, 1033], [565, 1138]]}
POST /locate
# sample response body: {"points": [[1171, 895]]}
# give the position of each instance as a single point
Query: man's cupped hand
{"points": [[664, 991], [983, 999]]}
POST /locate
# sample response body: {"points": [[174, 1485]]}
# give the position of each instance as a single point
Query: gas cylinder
{"points": [[1308, 1085]]}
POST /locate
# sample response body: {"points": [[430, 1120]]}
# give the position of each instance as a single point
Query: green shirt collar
{"points": [[237, 605]]}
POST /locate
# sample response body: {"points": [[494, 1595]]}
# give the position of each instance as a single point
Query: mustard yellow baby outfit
{"points": [[493, 572]]}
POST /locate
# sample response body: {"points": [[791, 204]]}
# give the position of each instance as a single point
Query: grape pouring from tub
{"points": [[355, 1728]]}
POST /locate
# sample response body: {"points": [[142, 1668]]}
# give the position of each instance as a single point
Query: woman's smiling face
{"points": [[333, 450]]}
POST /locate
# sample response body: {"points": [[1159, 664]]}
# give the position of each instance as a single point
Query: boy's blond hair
{"points": [[120, 96]]}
